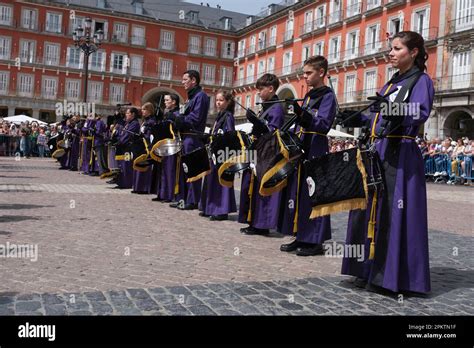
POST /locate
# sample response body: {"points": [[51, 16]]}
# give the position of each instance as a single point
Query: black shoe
{"points": [[243, 229], [156, 199], [201, 213], [256, 231], [291, 246], [219, 217], [310, 250], [113, 181], [360, 283], [73, 169], [94, 174], [188, 207]]}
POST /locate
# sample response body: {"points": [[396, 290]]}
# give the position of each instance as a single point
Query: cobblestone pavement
{"points": [[103, 251]]}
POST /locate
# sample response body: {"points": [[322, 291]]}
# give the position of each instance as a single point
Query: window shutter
{"points": [[81, 60], [126, 63], [112, 58], [68, 54]]}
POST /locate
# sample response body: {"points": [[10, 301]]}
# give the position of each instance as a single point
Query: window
{"points": [[334, 84], [119, 63], [210, 47], [94, 92], [136, 65], [241, 75], [335, 11], [29, 18], [5, 15], [226, 76], [306, 52], [100, 25], [248, 101], [320, 16], [194, 66], [120, 32], [209, 74], [390, 72], [271, 65], [373, 4], [252, 47], [5, 47], [228, 49], [138, 6], [289, 30], [53, 22], [308, 22], [241, 51], [318, 48], [273, 36], [73, 89], [372, 43], [27, 51], [166, 69], [97, 61], [194, 44], [75, 23], [350, 88], [262, 40], [260, 68], [421, 22], [250, 73], [353, 8], [370, 83], [101, 3], [464, 15], [461, 70], [227, 23], [50, 87], [167, 40], [395, 25], [74, 57], [25, 85], [334, 49], [238, 108], [116, 93], [51, 54], [138, 36], [352, 45], [4, 80], [287, 61]]}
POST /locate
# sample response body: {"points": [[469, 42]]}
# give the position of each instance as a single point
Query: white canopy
{"points": [[18, 119], [247, 128]]}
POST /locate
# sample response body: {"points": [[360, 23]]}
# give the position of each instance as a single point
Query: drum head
{"points": [[196, 164], [58, 153], [167, 147]]}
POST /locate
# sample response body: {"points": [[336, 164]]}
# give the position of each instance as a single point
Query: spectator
{"points": [[42, 142]]}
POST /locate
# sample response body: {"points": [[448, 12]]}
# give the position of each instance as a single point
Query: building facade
{"points": [[149, 44]]}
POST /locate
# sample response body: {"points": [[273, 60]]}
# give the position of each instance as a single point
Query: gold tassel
{"points": [[176, 184], [92, 153]]}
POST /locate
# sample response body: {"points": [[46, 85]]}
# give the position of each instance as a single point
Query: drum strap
{"points": [[178, 165], [252, 182], [295, 221]]}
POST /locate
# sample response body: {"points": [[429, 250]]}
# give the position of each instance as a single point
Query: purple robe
{"points": [[215, 198], [125, 178], [75, 148], [401, 261], [142, 181], [86, 147], [263, 210], [296, 198], [64, 160], [195, 116]]}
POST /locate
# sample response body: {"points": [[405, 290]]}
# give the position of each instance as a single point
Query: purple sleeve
{"points": [[324, 118], [195, 119], [230, 123], [275, 117], [421, 100]]}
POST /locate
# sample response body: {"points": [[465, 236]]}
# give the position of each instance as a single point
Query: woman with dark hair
{"points": [[394, 227], [218, 201], [125, 178]]}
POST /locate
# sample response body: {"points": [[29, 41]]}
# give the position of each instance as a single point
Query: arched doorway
{"points": [[156, 96], [459, 124], [286, 91]]}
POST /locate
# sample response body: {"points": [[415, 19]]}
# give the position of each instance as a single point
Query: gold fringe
{"points": [[361, 167], [176, 184], [57, 152], [120, 157], [332, 208], [197, 177], [252, 180], [268, 175], [227, 164], [139, 159]]}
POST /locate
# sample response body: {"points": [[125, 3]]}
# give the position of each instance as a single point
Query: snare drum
{"points": [[196, 164], [165, 142]]}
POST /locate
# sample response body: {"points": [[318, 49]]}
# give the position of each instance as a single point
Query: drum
{"points": [[196, 164], [165, 142], [56, 145], [277, 155], [229, 153], [337, 182], [140, 154]]}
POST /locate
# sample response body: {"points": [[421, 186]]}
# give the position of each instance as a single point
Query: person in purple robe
{"points": [[218, 201], [193, 119], [64, 160], [142, 181], [315, 119], [394, 228], [74, 135], [261, 213], [86, 148], [100, 133], [127, 134], [168, 190]]}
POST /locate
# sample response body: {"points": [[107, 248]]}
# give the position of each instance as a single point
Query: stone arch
{"points": [[287, 91], [154, 94], [459, 123]]}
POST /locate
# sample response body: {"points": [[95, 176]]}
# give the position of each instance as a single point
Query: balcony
{"points": [[194, 49], [168, 46], [271, 43], [351, 53], [452, 83], [461, 24], [209, 52], [118, 38], [261, 45], [429, 34], [306, 29], [138, 41], [287, 37], [335, 19], [394, 3], [290, 69], [227, 54], [353, 12], [373, 7], [251, 50]]}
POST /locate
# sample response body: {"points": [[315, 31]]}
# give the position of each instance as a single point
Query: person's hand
{"points": [[378, 100], [251, 116]]}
